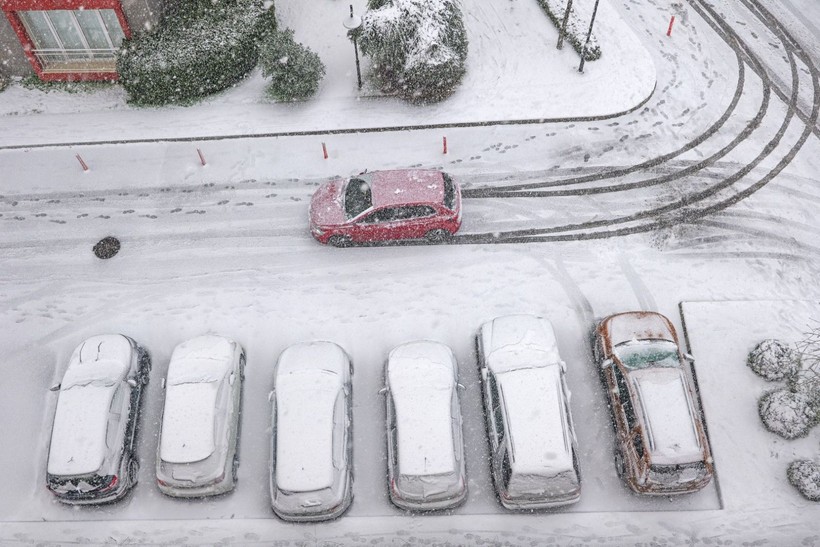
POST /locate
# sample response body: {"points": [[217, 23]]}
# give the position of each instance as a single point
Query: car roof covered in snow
{"points": [[668, 415], [421, 377], [202, 359], [627, 326], [519, 341], [97, 366], [309, 378], [536, 420], [406, 186]]}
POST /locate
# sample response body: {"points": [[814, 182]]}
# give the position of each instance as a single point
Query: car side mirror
{"points": [[606, 363], [270, 396], [231, 378], [131, 382], [688, 357], [55, 387], [460, 386], [383, 390], [162, 383]]}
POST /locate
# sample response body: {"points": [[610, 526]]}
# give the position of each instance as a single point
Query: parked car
{"points": [[311, 454], [533, 447], [386, 205], [199, 432], [92, 455], [425, 447], [661, 444]]}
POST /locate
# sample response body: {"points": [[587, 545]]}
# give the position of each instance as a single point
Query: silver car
{"points": [[526, 406], [199, 433], [425, 446], [311, 454], [92, 454]]}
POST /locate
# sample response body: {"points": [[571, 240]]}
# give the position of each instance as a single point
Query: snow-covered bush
{"points": [[805, 476], [418, 47], [577, 28], [4, 82], [294, 70], [787, 413], [202, 47], [773, 360]]}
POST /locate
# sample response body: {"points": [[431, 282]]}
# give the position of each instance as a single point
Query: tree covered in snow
{"points": [[805, 476], [418, 47], [787, 413], [201, 47], [295, 71], [773, 360]]}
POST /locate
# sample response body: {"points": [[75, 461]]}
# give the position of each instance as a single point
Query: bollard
{"points": [[201, 157], [444, 142], [671, 22], [82, 163], [324, 150]]}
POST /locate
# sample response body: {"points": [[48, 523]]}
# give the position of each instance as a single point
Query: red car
{"points": [[386, 205]]}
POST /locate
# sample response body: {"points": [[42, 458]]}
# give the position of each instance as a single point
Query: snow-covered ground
{"points": [[225, 248]]}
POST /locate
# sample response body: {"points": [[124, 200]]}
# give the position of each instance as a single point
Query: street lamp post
{"points": [[354, 23], [589, 35], [563, 32]]}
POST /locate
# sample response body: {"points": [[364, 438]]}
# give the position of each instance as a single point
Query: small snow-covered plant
{"points": [[4, 82], [418, 47], [787, 413], [805, 476], [295, 71], [577, 28], [773, 360], [202, 47]]}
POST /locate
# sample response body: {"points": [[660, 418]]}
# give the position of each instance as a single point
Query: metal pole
{"points": [[358, 69], [563, 31], [589, 35]]}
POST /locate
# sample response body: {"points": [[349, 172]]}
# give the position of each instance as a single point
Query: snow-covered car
{"points": [[425, 446], [661, 444], [92, 455], [199, 431], [533, 447], [311, 475], [386, 205]]}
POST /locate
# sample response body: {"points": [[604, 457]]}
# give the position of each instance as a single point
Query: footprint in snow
{"points": [[128, 211], [223, 202], [195, 212], [178, 209], [58, 221]]}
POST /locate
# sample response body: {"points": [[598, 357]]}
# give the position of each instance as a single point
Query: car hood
{"points": [[327, 204]]}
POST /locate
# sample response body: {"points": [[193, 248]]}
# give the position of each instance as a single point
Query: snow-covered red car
{"points": [[661, 444], [386, 205], [92, 455], [199, 431]]}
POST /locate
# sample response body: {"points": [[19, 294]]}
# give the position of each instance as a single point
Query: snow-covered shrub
{"points": [[787, 413], [294, 70], [418, 47], [202, 47], [773, 360], [4, 82], [805, 476], [577, 28]]}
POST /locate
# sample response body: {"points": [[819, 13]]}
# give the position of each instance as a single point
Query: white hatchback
{"points": [[197, 453]]}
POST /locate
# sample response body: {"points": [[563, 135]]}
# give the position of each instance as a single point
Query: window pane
{"points": [[64, 25], [38, 30], [92, 29], [112, 24]]}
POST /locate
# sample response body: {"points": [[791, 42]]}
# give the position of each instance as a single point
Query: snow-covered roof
{"points": [[406, 186], [668, 416], [202, 359], [421, 377], [519, 341], [309, 378], [536, 420], [628, 326], [102, 359]]}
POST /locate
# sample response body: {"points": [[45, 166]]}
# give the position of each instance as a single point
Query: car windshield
{"points": [[639, 354], [358, 196]]}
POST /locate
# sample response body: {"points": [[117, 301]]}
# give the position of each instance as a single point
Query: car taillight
{"points": [[393, 487], [162, 482], [112, 483]]}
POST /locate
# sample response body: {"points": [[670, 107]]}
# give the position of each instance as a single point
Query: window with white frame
{"points": [[74, 40]]}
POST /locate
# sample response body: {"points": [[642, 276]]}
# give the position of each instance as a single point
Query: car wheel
{"points": [[438, 236], [235, 467], [133, 472], [619, 463], [340, 241]]}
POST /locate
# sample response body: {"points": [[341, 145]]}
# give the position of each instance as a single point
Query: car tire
{"points": [[235, 467], [133, 472], [619, 463], [340, 241], [438, 236]]}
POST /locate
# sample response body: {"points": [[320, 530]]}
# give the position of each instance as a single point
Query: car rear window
{"points": [[449, 192]]}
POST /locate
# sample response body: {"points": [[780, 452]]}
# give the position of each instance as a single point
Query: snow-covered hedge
{"points": [[577, 28], [805, 476], [418, 47], [773, 360], [4, 82], [202, 47], [787, 413], [294, 70]]}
